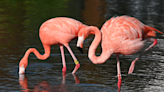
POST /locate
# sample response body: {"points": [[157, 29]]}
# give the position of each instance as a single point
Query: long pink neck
{"points": [[24, 60], [37, 54], [92, 49]]}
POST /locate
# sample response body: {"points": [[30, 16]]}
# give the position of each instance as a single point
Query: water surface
{"points": [[19, 25]]}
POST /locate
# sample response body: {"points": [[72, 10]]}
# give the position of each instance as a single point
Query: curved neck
{"points": [[37, 54], [92, 49], [24, 61]]}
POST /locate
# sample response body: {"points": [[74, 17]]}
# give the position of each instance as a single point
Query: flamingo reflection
{"points": [[44, 86], [23, 83]]}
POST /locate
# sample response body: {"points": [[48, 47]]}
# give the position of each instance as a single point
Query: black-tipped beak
{"points": [[81, 50], [18, 70]]}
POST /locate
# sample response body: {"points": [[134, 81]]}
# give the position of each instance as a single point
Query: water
{"points": [[19, 24]]}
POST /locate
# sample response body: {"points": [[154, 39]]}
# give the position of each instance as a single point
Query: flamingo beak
{"points": [[81, 50], [22, 69], [80, 43]]}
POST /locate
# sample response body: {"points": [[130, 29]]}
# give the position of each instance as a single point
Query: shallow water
{"points": [[19, 25]]}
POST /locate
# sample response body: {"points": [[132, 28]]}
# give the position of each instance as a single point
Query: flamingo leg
{"points": [[63, 58], [118, 73], [155, 41], [74, 58]]}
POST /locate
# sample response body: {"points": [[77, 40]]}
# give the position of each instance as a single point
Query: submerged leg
{"points": [[155, 41], [74, 58], [63, 58], [118, 73]]}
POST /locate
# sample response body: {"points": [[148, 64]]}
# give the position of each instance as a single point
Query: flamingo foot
{"points": [[76, 68], [64, 69], [131, 67], [119, 84]]}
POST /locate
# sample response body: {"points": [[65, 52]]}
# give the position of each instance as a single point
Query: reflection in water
{"points": [[23, 82], [45, 86], [21, 19]]}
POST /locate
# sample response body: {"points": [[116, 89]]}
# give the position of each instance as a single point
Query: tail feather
{"points": [[129, 46], [148, 30]]}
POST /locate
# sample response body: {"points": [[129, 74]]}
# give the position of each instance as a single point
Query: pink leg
{"points": [[63, 58], [75, 60], [119, 73], [155, 41]]}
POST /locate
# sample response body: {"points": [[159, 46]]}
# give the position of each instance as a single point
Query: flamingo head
{"points": [[81, 37], [83, 34], [22, 66]]}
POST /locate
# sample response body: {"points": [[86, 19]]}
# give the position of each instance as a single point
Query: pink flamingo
{"points": [[120, 35], [61, 31]]}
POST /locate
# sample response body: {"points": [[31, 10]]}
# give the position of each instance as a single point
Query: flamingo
{"points": [[61, 31], [120, 35]]}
